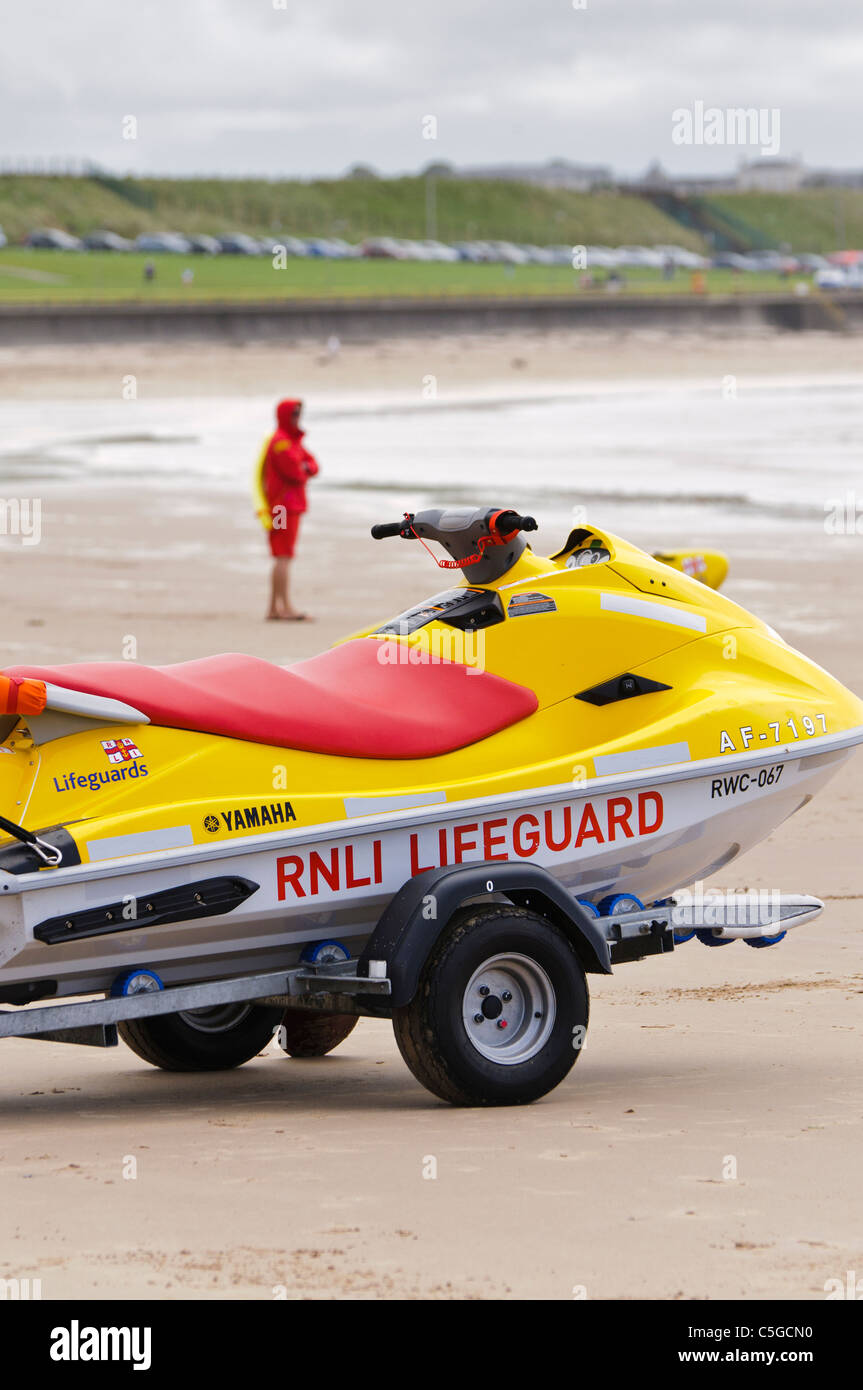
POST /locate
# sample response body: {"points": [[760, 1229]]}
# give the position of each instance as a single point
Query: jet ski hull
{"points": [[648, 833]]}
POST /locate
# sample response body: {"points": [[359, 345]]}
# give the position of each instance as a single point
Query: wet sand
{"points": [[305, 1179]]}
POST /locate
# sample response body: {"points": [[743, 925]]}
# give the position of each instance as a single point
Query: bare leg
{"points": [[280, 597], [279, 587]]}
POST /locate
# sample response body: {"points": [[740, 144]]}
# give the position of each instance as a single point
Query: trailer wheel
{"points": [[213, 1039], [309, 1033], [501, 1011]]}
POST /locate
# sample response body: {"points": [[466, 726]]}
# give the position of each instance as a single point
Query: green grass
{"points": [[466, 209], [813, 219], [45, 277]]}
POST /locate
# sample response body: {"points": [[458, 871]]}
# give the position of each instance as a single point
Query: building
{"points": [[771, 176]]}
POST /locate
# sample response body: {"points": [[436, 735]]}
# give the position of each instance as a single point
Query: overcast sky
{"points": [[280, 88]]}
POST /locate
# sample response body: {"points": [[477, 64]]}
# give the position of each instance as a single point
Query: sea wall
{"points": [[359, 320]]}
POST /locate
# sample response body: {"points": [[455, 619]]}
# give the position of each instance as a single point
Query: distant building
{"points": [[771, 176], [556, 173]]}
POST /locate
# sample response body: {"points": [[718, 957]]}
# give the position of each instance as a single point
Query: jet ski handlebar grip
{"points": [[511, 521], [387, 528]]}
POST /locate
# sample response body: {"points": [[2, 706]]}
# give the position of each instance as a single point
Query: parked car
{"points": [[811, 262], [439, 251], [640, 257], [239, 244], [732, 260], [601, 258], [471, 251], [106, 241], [330, 248], [838, 277], [204, 245], [383, 248], [683, 259], [292, 245], [506, 253], [51, 239], [768, 260], [171, 242]]}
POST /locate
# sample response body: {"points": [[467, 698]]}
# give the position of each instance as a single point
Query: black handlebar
{"points": [[387, 528], [511, 521]]}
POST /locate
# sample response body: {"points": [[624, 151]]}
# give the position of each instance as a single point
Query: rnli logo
{"points": [[121, 750]]}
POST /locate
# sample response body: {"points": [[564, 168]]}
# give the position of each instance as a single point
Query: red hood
{"points": [[284, 412]]}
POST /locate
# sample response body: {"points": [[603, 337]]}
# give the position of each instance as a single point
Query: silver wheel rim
{"points": [[509, 1008], [221, 1018]]}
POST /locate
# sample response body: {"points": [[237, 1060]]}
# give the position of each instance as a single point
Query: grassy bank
{"points": [[45, 277], [813, 219], [462, 209]]}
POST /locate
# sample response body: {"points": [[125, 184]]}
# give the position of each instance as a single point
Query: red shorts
{"points": [[283, 538]]}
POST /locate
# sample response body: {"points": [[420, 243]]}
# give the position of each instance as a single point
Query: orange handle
{"points": [[21, 695]]}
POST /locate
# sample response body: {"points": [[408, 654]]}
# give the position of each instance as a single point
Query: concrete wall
{"points": [[357, 321]]}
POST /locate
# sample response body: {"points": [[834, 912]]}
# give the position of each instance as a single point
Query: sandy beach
{"points": [[305, 1179], [522, 361]]}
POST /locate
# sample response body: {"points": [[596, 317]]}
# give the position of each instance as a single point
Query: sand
{"points": [[705, 1146], [520, 361]]}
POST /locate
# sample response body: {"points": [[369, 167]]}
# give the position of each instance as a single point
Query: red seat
{"points": [[346, 701]]}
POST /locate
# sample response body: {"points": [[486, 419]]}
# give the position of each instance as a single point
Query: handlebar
{"points": [[387, 528], [507, 521], [483, 542], [511, 521]]}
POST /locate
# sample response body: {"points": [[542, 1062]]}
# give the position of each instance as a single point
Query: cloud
{"points": [[240, 86]]}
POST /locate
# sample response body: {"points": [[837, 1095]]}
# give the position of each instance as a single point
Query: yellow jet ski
{"points": [[449, 819], [710, 566]]}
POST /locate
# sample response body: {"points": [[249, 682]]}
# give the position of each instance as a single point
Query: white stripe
{"points": [[637, 759], [173, 837], [656, 612], [371, 805], [534, 579], [92, 706]]}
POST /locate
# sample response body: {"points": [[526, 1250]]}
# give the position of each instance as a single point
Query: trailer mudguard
{"points": [[417, 914]]}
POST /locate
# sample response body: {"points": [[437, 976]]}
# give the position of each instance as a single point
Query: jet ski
{"points": [[449, 818], [710, 566]]}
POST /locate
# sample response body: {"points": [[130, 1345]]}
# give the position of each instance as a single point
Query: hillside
{"points": [[813, 219], [350, 208]]}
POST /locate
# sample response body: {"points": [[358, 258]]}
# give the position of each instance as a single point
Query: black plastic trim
{"points": [[407, 930], [623, 687], [211, 897]]}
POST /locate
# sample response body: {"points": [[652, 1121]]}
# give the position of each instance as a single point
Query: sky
{"points": [[283, 89]]}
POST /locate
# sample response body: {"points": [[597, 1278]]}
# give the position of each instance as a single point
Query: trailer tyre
{"points": [[308, 1033], [501, 1010], [213, 1039]]}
